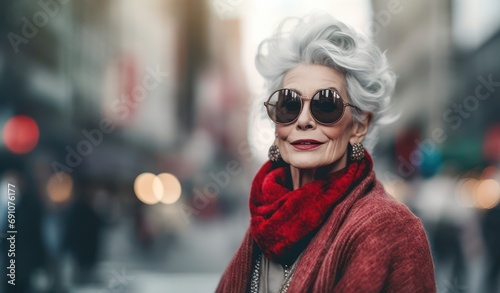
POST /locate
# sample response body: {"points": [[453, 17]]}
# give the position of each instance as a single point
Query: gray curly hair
{"points": [[321, 39]]}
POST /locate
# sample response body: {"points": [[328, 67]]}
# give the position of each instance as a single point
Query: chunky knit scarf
{"points": [[283, 221]]}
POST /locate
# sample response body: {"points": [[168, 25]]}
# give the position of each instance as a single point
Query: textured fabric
{"points": [[284, 220], [369, 243], [275, 276]]}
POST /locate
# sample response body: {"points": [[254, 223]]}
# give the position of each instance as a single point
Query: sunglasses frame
{"points": [[304, 97]]}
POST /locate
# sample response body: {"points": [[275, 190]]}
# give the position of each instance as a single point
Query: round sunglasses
{"points": [[285, 105]]}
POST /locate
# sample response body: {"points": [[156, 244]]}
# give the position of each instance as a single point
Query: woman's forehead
{"points": [[309, 78]]}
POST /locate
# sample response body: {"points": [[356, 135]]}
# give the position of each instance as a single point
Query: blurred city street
{"points": [[130, 132], [175, 274]]}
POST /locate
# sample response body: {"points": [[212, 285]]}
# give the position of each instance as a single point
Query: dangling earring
{"points": [[358, 151], [274, 152]]}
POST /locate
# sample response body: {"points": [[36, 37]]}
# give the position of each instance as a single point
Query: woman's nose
{"points": [[305, 120]]}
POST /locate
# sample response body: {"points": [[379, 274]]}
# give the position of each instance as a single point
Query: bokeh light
{"points": [[60, 187], [489, 172], [171, 188], [20, 134], [145, 189], [151, 189], [487, 194]]}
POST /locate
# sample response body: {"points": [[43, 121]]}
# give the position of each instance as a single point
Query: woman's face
{"points": [[332, 139]]}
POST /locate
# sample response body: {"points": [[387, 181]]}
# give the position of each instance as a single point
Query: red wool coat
{"points": [[369, 243]]}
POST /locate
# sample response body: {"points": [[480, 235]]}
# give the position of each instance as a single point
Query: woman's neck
{"points": [[301, 177]]}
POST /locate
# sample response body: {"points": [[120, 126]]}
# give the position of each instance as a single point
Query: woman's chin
{"points": [[313, 161], [306, 162]]}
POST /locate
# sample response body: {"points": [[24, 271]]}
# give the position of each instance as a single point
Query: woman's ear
{"points": [[361, 128]]}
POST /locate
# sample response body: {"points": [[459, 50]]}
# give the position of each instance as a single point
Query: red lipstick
{"points": [[306, 144]]}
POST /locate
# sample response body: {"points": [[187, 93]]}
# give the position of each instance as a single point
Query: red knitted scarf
{"points": [[283, 221]]}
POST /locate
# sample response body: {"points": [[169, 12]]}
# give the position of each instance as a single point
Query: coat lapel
{"points": [[308, 268]]}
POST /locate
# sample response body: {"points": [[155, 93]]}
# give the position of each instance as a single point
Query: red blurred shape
{"points": [[407, 141], [491, 146], [21, 134]]}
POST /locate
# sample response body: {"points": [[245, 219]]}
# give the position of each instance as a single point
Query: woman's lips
{"points": [[306, 144]]}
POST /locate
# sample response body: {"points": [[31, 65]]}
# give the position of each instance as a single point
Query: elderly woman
{"points": [[320, 220]]}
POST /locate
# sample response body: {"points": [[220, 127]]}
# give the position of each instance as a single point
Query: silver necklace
{"points": [[255, 280]]}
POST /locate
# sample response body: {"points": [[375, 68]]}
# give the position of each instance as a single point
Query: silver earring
{"points": [[274, 153], [358, 152]]}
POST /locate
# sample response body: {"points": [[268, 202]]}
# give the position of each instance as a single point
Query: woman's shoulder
{"points": [[381, 214], [382, 238]]}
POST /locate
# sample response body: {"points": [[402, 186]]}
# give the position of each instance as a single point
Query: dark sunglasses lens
{"points": [[327, 106], [284, 106]]}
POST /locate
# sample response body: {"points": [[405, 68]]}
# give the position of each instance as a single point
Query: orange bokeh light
{"points": [[60, 187]]}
